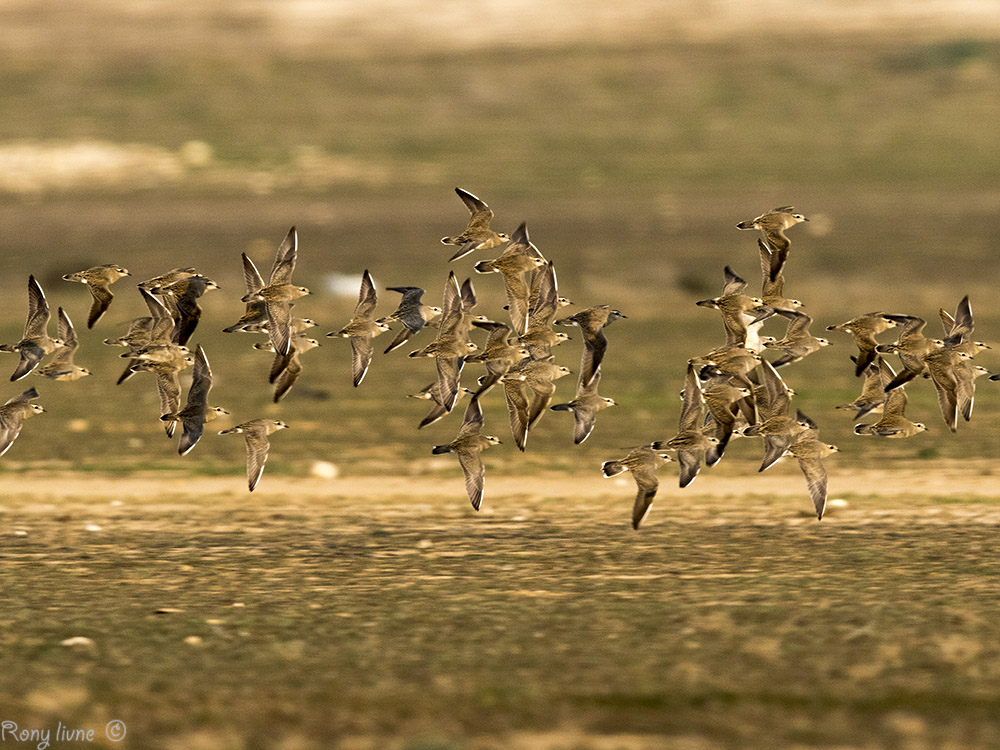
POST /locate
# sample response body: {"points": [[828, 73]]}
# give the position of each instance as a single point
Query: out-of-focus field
{"points": [[380, 611]]}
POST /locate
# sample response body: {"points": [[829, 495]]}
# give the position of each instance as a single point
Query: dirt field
{"points": [[382, 612]]}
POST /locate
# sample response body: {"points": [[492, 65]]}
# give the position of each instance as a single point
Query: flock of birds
{"points": [[730, 391]]}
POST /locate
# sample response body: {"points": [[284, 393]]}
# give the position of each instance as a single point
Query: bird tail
{"points": [[437, 450], [612, 468], [862, 429], [561, 407], [169, 418], [231, 431], [483, 266], [745, 225], [8, 348]]}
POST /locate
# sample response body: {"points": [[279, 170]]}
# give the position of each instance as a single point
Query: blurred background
{"points": [[631, 139]]}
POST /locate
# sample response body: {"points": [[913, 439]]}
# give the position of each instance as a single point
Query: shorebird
{"points": [[538, 375], [61, 366], [810, 451], [642, 461], [512, 265], [196, 411], [690, 442], [168, 384], [478, 235], [585, 406], [12, 416], [543, 305], [864, 329], [941, 367], [156, 283], [724, 401], [152, 342], [873, 395], [736, 308], [286, 368], [893, 423], [911, 346], [468, 445], [256, 432], [254, 318], [181, 298], [772, 226], [798, 342], [498, 354], [99, 280], [592, 322], [362, 329], [451, 345], [412, 313], [35, 343], [772, 290], [777, 428], [279, 292]]}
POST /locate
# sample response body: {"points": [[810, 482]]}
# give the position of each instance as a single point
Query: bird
{"points": [[412, 313], [810, 451], [196, 411], [181, 298], [498, 354], [735, 307], [585, 406], [911, 346], [774, 425], [592, 322], [513, 266], [61, 366], [99, 280], [544, 302], [254, 318], [256, 433], [152, 342], [168, 384], [538, 376], [156, 283], [772, 290], [941, 367], [690, 442], [797, 342], [478, 235], [468, 445], [772, 226], [873, 395], [642, 461], [286, 368], [864, 329], [724, 401], [12, 416], [362, 328], [451, 345], [279, 292], [35, 343], [893, 422]]}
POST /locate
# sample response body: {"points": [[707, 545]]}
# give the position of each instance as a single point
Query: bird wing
{"points": [[279, 325], [38, 310], [251, 276], [516, 394], [693, 408], [472, 423], [367, 299], [816, 480], [646, 484], [102, 295], [361, 357], [475, 474], [284, 259], [257, 450]]}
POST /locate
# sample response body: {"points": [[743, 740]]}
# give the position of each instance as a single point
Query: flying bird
{"points": [[468, 445], [478, 235], [99, 280], [256, 433]]}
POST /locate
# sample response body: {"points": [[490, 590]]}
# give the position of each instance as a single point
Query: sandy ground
{"points": [[960, 483]]}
